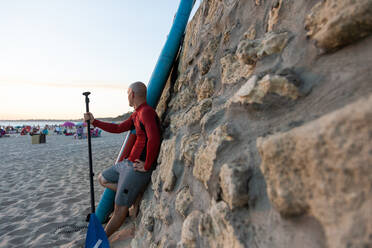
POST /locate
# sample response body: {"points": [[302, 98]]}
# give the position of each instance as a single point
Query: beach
{"points": [[44, 191]]}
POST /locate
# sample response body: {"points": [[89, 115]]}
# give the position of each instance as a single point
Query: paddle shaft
{"points": [[91, 174]]}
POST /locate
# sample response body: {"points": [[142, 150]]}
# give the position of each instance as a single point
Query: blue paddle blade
{"points": [[96, 236]]}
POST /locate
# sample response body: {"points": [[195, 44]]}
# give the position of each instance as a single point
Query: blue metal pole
{"points": [[168, 54]]}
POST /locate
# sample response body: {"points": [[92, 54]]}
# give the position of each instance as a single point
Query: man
{"points": [[129, 177]]}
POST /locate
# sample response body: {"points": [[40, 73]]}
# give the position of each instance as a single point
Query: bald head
{"points": [[139, 89]]}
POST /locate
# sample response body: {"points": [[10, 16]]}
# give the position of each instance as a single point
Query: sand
{"points": [[44, 188]]}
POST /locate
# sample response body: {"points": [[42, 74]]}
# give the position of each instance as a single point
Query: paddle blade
{"points": [[96, 236]]}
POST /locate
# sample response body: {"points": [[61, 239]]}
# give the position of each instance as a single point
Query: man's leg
{"points": [[133, 210], [106, 184], [117, 219], [124, 234]]}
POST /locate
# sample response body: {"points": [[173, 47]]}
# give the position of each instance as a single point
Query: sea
{"points": [[31, 123]]}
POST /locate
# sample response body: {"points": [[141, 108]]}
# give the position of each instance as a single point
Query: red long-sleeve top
{"points": [[147, 126]]}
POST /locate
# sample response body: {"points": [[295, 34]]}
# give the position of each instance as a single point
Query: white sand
{"points": [[46, 186]]}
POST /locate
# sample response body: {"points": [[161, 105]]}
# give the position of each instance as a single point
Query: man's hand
{"points": [[88, 117], [139, 165]]}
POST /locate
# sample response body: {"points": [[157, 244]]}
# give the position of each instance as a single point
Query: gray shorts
{"points": [[130, 182]]}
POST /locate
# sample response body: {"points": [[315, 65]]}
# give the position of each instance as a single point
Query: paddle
{"points": [[96, 236]]}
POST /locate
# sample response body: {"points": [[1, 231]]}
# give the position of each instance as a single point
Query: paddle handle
{"points": [[91, 174]]}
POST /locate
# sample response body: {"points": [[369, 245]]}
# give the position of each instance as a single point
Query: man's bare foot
{"points": [[133, 210], [126, 233]]}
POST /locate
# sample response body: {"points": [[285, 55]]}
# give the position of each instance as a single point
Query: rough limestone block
{"points": [[209, 53], [182, 81], [167, 242], [206, 226], [247, 51], [337, 23], [217, 227], [324, 169], [189, 144], [245, 93], [272, 43], [250, 51], [183, 201], [191, 116], [162, 212], [190, 229], [145, 225], [229, 2], [148, 222], [233, 70], [274, 15], [210, 119], [218, 213], [234, 180], [156, 182], [205, 88], [162, 106], [205, 64], [206, 156], [254, 91], [183, 99], [213, 12], [250, 34], [167, 157], [198, 111], [170, 181]]}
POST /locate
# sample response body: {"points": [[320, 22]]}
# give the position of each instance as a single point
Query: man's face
{"points": [[130, 97]]}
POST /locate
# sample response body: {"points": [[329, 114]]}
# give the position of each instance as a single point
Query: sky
{"points": [[51, 51]]}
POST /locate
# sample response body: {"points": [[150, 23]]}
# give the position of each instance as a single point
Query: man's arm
{"points": [[153, 137], [114, 128], [110, 127]]}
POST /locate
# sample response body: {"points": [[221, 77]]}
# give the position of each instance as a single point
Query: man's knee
{"points": [[102, 180]]}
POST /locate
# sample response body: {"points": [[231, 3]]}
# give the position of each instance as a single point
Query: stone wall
{"points": [[267, 129]]}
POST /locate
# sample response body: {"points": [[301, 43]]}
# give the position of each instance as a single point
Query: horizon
{"points": [[68, 119]]}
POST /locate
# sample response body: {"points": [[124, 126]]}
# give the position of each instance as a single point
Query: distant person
{"points": [[45, 131], [34, 131], [79, 132], [58, 130], [130, 177], [23, 131]]}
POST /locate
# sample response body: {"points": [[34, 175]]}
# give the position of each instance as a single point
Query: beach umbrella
{"points": [[68, 124], [81, 124], [96, 236]]}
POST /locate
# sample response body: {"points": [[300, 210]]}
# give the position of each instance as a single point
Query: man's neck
{"points": [[137, 104]]}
